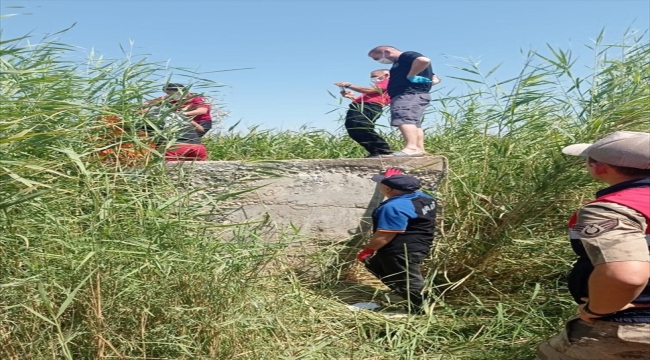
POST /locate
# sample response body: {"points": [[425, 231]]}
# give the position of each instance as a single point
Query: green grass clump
{"points": [[105, 261]]}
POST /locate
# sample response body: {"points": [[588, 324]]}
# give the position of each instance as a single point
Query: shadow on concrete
{"points": [[343, 275], [364, 229]]}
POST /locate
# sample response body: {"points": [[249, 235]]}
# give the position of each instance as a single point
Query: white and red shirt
{"points": [[194, 102], [380, 97]]}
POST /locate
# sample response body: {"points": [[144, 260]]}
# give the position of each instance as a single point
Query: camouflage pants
{"points": [[599, 341]]}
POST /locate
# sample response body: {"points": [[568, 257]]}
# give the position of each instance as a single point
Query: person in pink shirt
{"points": [[364, 111], [194, 106]]}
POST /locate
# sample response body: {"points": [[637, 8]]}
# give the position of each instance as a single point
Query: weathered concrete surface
{"points": [[328, 199]]}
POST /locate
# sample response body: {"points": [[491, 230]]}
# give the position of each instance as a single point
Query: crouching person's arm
{"points": [[197, 125], [379, 240]]}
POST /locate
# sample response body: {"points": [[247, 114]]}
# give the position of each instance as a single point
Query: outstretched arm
{"points": [[360, 89], [196, 112]]}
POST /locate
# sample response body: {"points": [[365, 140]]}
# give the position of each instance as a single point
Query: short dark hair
{"points": [[173, 87], [381, 47], [627, 171]]}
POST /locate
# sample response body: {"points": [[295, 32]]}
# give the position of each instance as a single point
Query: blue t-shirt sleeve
{"points": [[391, 218]]}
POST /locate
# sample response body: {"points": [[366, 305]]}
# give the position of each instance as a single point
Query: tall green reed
{"points": [[108, 262]]}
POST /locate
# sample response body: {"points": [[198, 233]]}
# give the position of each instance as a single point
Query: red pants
{"points": [[187, 152]]}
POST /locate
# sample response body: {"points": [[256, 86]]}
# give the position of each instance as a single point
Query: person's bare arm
{"points": [[614, 285], [348, 95], [359, 89], [380, 238], [197, 125], [419, 64], [198, 111], [155, 102], [618, 250]]}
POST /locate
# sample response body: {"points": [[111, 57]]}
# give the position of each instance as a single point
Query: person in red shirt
{"points": [[187, 145], [193, 106], [364, 111]]}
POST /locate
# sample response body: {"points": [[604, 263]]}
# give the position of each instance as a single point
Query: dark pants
{"points": [[401, 273], [360, 124]]}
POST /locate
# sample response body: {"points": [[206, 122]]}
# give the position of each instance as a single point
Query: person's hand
{"points": [[419, 79], [585, 316], [347, 94], [364, 254], [197, 126], [342, 84]]}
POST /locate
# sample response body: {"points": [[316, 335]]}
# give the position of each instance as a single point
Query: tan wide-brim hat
{"points": [[621, 148]]}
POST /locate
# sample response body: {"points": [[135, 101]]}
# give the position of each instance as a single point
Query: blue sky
{"points": [[298, 48]]}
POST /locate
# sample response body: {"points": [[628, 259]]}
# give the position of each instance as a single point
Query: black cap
{"points": [[398, 182], [173, 87]]}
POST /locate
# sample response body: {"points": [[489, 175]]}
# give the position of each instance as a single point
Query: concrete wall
{"points": [[329, 200]]}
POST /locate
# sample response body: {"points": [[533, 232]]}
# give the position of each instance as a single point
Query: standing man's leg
{"points": [[360, 125], [410, 135], [425, 101], [354, 124], [421, 140], [375, 144], [406, 113]]}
